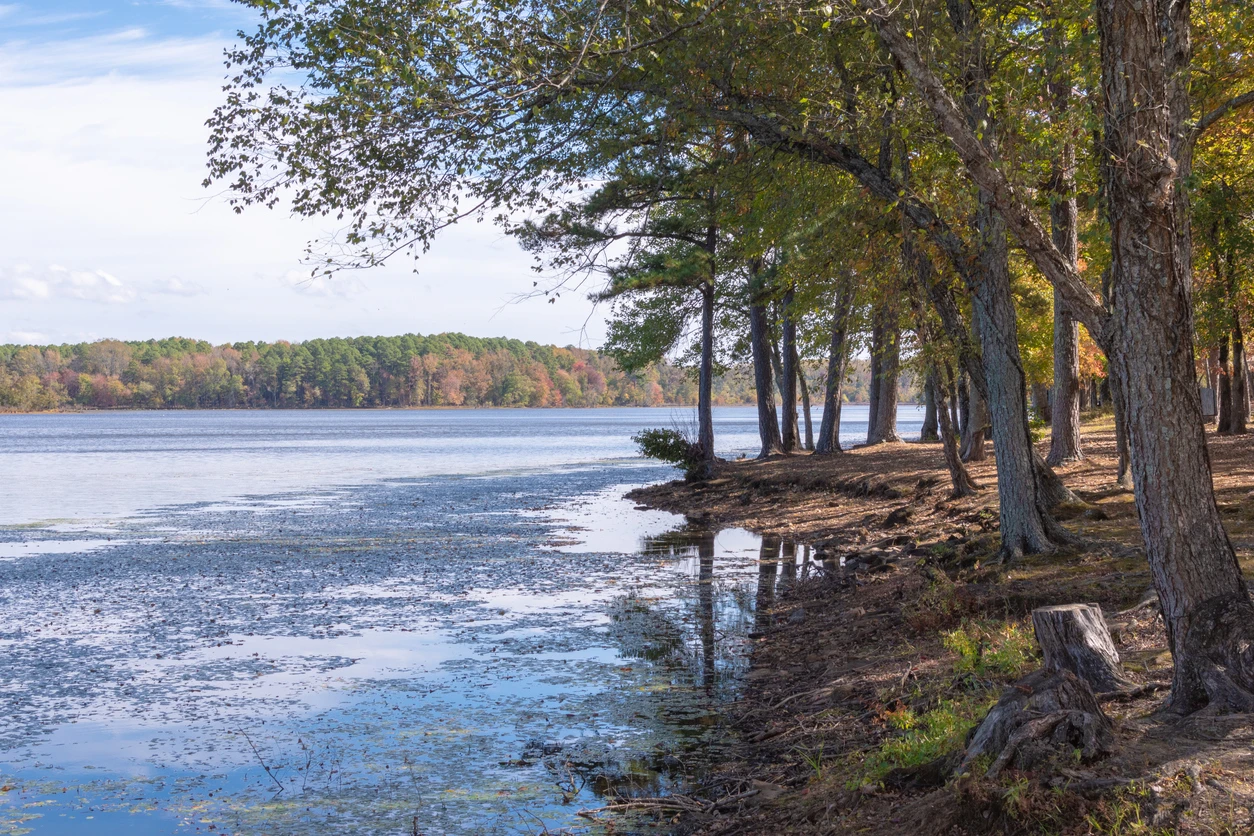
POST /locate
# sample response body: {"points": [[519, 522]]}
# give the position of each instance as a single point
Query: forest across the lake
{"points": [[444, 370]]}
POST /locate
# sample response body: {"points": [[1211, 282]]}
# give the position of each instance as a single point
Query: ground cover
{"points": [[879, 660]]}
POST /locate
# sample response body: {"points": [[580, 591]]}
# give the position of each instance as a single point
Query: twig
{"points": [[262, 760]]}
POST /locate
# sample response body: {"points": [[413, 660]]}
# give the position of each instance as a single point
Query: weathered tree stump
{"points": [[1043, 714], [1075, 638]]}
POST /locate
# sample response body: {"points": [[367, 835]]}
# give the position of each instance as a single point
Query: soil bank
{"points": [[885, 656]]}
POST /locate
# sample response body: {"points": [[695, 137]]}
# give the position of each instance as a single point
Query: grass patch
{"points": [[924, 737], [1004, 650]]}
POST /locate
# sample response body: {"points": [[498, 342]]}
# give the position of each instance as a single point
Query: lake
{"points": [[359, 622]]}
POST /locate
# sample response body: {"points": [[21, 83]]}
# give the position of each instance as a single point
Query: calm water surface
{"points": [[359, 622]]}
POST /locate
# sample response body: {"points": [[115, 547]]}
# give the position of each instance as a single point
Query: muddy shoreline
{"points": [[880, 662]]}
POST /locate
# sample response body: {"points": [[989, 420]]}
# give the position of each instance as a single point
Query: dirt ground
{"points": [[903, 629]]}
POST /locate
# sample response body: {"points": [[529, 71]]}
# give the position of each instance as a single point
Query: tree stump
{"points": [[1046, 713], [1075, 638]]}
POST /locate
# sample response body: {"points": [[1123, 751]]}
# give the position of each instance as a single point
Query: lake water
{"points": [[358, 622]]}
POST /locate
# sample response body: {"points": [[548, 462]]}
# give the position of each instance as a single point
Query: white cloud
{"points": [[174, 286], [25, 337], [55, 283], [343, 285], [102, 171], [134, 51]]}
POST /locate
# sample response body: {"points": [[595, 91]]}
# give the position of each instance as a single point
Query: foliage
{"points": [[671, 446], [924, 737], [1004, 651]]}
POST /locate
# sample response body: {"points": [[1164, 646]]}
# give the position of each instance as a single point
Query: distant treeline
{"points": [[406, 371]]}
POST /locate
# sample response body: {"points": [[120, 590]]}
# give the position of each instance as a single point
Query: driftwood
{"points": [[1075, 638]]}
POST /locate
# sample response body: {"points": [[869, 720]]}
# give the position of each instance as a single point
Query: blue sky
{"points": [[105, 230]]}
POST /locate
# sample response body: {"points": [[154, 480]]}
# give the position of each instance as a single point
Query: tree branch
{"points": [[1235, 103]]}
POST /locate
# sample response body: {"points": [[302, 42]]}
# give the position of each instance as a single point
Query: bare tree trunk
{"points": [[952, 389], [1240, 402], [837, 359], [1205, 602], [1225, 390], [886, 367], [964, 407], [931, 426], [705, 383], [806, 416], [1123, 477], [788, 374], [1064, 445], [959, 478], [764, 384]]}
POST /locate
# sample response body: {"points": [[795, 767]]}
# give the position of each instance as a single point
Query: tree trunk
{"points": [[885, 366], [1024, 523], [1123, 476], [959, 478], [788, 374], [764, 384], [964, 407], [705, 383], [1240, 403], [807, 419], [1064, 445], [1225, 390], [1205, 602], [837, 359], [1074, 637], [930, 430]]}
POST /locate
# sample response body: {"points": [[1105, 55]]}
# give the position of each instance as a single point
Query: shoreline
{"points": [[442, 408], [866, 676]]}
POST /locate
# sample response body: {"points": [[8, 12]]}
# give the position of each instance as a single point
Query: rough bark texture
{"points": [[1225, 390], [1045, 714], [1240, 400], [1064, 445], [705, 383], [837, 359], [1123, 475], [807, 419], [1074, 637], [885, 366], [763, 381], [930, 431], [788, 375], [959, 478], [1205, 602]]}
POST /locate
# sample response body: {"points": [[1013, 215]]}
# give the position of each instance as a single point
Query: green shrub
{"points": [[672, 447]]}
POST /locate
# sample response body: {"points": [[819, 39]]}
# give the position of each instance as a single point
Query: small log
{"points": [[1075, 638]]}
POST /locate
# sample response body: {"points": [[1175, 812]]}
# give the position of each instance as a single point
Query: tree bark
{"points": [[959, 478], [705, 383], [1225, 390], [763, 381], [807, 419], [788, 374], [1074, 637], [1205, 602], [1123, 475], [885, 369], [930, 431], [1240, 401], [837, 359]]}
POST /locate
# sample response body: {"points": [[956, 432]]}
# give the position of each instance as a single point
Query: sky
{"points": [[106, 231]]}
